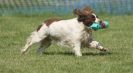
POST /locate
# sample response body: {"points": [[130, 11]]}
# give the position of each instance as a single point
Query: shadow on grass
{"points": [[97, 54], [84, 54]]}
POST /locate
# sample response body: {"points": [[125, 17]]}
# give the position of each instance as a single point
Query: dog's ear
{"points": [[77, 12], [87, 10]]}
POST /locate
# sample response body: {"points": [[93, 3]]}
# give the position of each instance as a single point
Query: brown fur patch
{"points": [[85, 15], [50, 21], [87, 10], [89, 21]]}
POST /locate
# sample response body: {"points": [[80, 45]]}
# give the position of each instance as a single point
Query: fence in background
{"points": [[8, 7]]}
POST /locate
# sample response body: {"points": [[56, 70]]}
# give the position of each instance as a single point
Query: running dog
{"points": [[73, 33]]}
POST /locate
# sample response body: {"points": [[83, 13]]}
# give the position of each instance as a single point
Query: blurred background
{"points": [[29, 7], [18, 18]]}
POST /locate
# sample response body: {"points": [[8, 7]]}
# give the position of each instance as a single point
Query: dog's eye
{"points": [[92, 16]]}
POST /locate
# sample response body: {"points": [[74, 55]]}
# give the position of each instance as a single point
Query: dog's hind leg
{"points": [[35, 37], [45, 43]]}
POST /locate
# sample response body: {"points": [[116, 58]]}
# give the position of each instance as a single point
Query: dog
{"points": [[73, 33]]}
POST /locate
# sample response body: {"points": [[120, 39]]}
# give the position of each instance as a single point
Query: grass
{"points": [[118, 38]]}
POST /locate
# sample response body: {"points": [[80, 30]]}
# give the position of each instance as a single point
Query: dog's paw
{"points": [[22, 51], [104, 50]]}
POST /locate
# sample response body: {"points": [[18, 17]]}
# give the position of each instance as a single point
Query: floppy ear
{"points": [[87, 10], [77, 12]]}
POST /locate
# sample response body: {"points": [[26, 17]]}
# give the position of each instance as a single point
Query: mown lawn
{"points": [[118, 38]]}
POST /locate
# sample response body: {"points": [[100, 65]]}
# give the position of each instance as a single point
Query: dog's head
{"points": [[86, 15]]}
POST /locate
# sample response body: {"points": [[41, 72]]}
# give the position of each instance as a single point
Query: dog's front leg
{"points": [[95, 44], [76, 49]]}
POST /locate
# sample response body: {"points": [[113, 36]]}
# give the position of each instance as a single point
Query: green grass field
{"points": [[118, 38]]}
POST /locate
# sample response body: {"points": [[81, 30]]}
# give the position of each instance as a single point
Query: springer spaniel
{"points": [[73, 33]]}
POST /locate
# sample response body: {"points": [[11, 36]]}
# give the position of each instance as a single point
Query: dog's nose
{"points": [[100, 21]]}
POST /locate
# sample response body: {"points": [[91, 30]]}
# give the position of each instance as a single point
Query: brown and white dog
{"points": [[73, 33]]}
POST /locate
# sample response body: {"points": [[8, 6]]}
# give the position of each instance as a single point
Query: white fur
{"points": [[70, 33]]}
